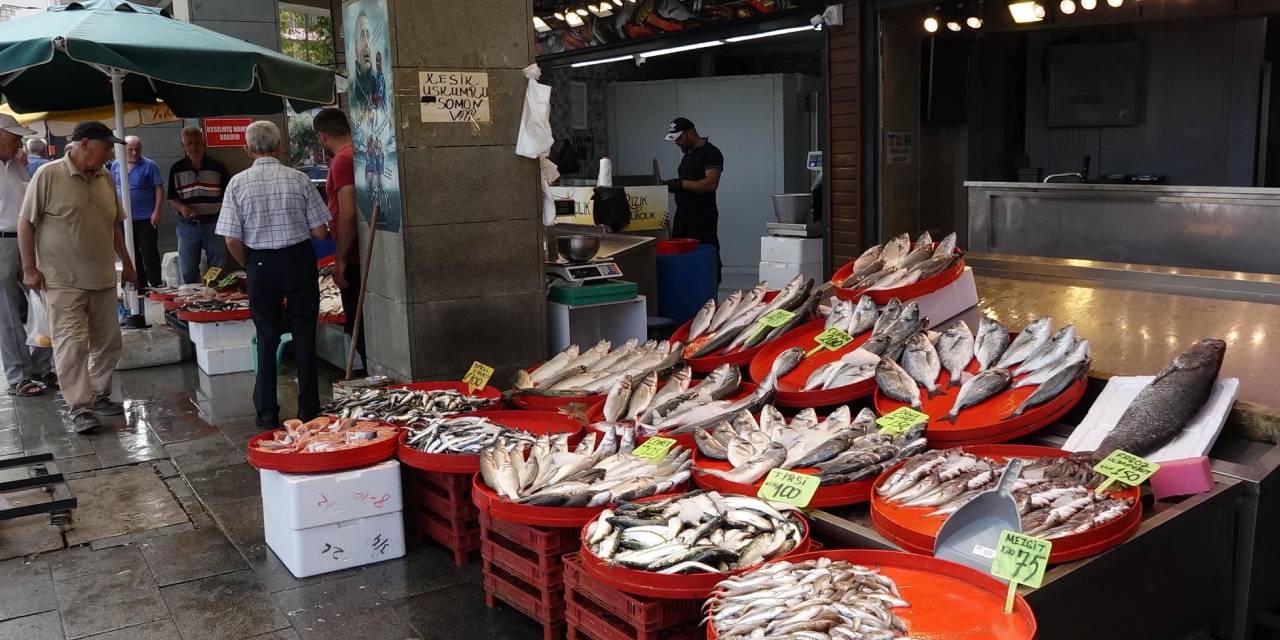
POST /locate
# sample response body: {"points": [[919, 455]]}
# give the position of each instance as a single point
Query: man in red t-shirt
{"points": [[334, 133]]}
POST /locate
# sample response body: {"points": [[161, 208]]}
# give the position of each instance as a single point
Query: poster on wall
{"points": [[372, 111]]}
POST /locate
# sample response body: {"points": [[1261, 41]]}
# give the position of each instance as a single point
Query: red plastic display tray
{"points": [[320, 462], [904, 293], [912, 529], [948, 600], [535, 422], [215, 316], [707, 364], [160, 297], [551, 517], [791, 391], [835, 495], [551, 403]]}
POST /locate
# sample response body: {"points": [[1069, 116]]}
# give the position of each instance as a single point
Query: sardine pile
{"points": [[325, 434], [1038, 356], [731, 325], [843, 449], [461, 435], [593, 371], [599, 471], [700, 532], [213, 306], [899, 262], [1054, 495], [402, 406], [678, 407], [815, 600]]}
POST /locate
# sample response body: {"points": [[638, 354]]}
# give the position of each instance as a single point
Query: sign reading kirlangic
{"points": [[454, 96], [225, 132]]}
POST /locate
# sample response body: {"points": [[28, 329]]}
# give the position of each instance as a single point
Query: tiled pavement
{"points": [[167, 538]]}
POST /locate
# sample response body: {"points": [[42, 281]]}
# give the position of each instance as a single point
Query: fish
{"points": [[608, 361], [325, 434], [991, 342], [617, 401], [897, 383], [1050, 352], [917, 256], [554, 365], [402, 406], [677, 383], [977, 389], [935, 265], [1028, 341], [752, 470], [888, 316], [641, 395], [924, 240], [1078, 352], [946, 246], [955, 350], [459, 435], [786, 361], [896, 250], [724, 310], [1055, 385], [841, 310], [921, 362], [866, 276], [863, 317], [702, 320], [864, 261], [1164, 407]]}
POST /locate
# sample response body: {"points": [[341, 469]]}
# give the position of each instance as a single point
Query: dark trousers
{"points": [[146, 255], [284, 297], [351, 298]]}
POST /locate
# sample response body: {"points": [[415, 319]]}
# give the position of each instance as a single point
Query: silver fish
{"points": [[863, 317], [1050, 352], [917, 256], [896, 250], [702, 321], [766, 461], [1078, 352], [1031, 338], [925, 240], [888, 316], [991, 342], [897, 383], [841, 310], [866, 259], [1055, 385], [554, 365], [946, 246], [955, 350], [616, 402], [641, 395], [978, 388], [920, 361], [786, 361]]}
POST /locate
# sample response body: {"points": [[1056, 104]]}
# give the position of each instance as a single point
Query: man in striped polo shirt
{"points": [[196, 183]]}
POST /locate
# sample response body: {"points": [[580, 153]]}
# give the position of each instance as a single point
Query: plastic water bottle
{"points": [[131, 299]]}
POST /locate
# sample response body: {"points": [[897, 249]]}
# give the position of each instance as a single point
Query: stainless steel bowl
{"points": [[578, 248], [792, 208]]}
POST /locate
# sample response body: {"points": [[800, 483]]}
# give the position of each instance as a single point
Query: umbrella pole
{"points": [[117, 95]]}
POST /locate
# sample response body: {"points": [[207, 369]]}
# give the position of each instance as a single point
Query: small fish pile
{"points": [[325, 434], [599, 471], [1055, 496], [842, 449], [814, 600], [678, 407], [460, 435], [731, 325], [890, 330], [213, 306], [402, 406], [330, 294], [699, 532], [899, 262], [575, 372]]}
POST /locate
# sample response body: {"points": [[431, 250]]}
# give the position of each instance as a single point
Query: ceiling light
{"points": [[1026, 11], [618, 2], [540, 25], [974, 22], [590, 63], [573, 20], [767, 34], [1067, 7], [582, 12], [1115, 3], [559, 16], [1088, 5], [688, 47], [953, 25], [931, 24]]}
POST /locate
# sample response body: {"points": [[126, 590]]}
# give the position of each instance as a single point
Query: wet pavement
{"points": [[167, 540]]}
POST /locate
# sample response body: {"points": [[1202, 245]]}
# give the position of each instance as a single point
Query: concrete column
{"points": [[462, 278]]}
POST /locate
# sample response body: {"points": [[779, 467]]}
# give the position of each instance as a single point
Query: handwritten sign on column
{"points": [[453, 96]]}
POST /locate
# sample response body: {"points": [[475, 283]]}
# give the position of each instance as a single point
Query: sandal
{"points": [[27, 389], [49, 380]]}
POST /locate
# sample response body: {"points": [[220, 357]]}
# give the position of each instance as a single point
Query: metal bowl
{"points": [[792, 208], [578, 248]]}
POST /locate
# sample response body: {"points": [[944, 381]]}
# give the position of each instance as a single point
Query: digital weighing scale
{"points": [[578, 273]]}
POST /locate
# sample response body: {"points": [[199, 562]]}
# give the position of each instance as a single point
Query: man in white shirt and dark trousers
{"points": [[29, 370], [270, 213]]}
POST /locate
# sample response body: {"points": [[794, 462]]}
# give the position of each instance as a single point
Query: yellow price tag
{"points": [[477, 376], [211, 275], [789, 487], [1125, 468], [1020, 559], [654, 448], [899, 420], [832, 339], [772, 320]]}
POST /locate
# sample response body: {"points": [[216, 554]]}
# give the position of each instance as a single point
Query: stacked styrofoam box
{"points": [[223, 347], [782, 259], [320, 523]]}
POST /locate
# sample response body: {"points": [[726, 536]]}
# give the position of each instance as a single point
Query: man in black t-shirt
{"points": [[695, 190]]}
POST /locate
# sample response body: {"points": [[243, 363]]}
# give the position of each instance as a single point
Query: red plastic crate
{"points": [[549, 612], [543, 572], [544, 542], [586, 620], [454, 483], [643, 614], [452, 507], [460, 540]]}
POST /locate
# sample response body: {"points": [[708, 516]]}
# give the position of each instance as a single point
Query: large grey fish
{"points": [[897, 383], [896, 250], [641, 395], [1078, 352], [1028, 341], [920, 361], [946, 246], [979, 388], [1050, 352], [1163, 408], [863, 317], [702, 321], [888, 315], [925, 239], [917, 256], [554, 365], [725, 309], [616, 402], [803, 313], [676, 384], [869, 256], [841, 310], [772, 456], [955, 350], [870, 269], [1055, 385], [786, 361], [937, 264], [991, 342]]}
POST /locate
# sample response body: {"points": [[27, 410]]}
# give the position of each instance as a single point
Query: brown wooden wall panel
{"points": [[844, 143]]}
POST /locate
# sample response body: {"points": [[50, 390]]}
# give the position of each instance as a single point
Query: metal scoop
{"points": [[970, 535]]}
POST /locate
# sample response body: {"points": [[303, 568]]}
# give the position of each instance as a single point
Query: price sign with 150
{"points": [[1125, 468]]}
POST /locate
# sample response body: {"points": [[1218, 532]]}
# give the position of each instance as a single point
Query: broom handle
{"points": [[364, 283]]}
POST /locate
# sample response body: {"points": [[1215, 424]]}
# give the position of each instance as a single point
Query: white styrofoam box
{"points": [[225, 360], [790, 250], [303, 500], [949, 301], [169, 270], [1195, 440], [778, 274], [335, 546], [213, 335], [153, 346]]}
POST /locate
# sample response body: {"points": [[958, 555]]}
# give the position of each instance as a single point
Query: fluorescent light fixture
{"points": [[573, 20], [591, 63], [687, 47], [953, 25], [540, 25], [768, 34], [931, 24], [1026, 11]]}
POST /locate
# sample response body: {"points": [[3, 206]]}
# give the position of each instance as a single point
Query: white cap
{"points": [[10, 124]]}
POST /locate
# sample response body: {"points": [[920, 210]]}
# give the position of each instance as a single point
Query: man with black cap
{"points": [[70, 235], [695, 188]]}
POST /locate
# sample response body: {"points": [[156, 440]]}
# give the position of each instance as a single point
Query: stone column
{"points": [[462, 278]]}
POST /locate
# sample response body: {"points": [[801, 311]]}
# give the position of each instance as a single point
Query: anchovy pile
{"points": [[1055, 496], [898, 262], [599, 471], [402, 406], [732, 326], [843, 449], [814, 600], [700, 532], [680, 408], [213, 306], [596, 370], [460, 435]]}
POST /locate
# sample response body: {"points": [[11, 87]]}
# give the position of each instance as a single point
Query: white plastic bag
{"points": [[549, 174], [38, 331], [535, 137]]}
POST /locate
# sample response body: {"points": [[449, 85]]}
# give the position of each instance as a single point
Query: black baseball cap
{"points": [[678, 126], [94, 130]]}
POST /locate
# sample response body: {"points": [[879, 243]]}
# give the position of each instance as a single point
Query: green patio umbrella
{"points": [[105, 52]]}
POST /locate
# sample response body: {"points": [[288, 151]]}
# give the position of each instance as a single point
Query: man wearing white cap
{"points": [[27, 370]]}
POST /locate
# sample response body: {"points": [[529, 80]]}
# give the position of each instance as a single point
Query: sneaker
{"points": [[85, 422], [103, 405]]}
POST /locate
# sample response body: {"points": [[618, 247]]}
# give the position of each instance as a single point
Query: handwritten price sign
{"points": [[900, 420], [789, 487], [832, 339], [1020, 560], [773, 320], [211, 275], [477, 376], [1125, 468], [654, 448]]}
